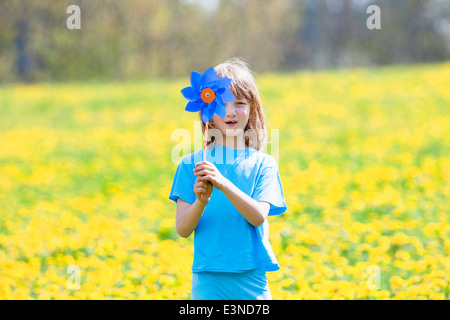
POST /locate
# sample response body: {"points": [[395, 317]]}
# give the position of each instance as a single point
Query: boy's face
{"points": [[236, 117]]}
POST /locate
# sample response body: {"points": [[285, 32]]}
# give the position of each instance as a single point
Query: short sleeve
{"points": [[268, 188], [183, 183]]}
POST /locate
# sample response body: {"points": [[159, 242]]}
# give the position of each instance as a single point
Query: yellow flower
{"points": [[397, 282]]}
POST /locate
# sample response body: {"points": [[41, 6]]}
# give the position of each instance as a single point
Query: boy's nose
{"points": [[229, 108]]}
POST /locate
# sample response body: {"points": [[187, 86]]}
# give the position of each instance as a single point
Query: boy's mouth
{"points": [[231, 123]]}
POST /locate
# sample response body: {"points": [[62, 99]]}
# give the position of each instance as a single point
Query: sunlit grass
{"points": [[86, 170]]}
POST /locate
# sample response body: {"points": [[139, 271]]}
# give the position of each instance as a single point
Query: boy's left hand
{"points": [[208, 172]]}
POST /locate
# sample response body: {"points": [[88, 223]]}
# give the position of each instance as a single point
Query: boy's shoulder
{"points": [[260, 159], [192, 158], [265, 159]]}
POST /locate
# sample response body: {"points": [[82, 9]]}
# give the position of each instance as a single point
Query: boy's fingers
{"points": [[202, 164], [200, 189], [200, 184], [203, 172], [200, 168]]}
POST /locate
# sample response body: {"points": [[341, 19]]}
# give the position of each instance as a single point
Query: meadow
{"points": [[364, 159]]}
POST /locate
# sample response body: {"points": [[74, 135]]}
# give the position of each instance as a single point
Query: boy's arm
{"points": [[188, 216], [255, 212]]}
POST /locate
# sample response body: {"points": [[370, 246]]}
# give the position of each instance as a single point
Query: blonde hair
{"points": [[242, 86]]}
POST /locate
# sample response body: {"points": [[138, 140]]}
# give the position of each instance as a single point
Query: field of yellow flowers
{"points": [[364, 158]]}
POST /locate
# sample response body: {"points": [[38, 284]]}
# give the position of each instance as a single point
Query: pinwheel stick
{"points": [[206, 140]]}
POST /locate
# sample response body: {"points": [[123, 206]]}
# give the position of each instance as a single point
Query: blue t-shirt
{"points": [[224, 241]]}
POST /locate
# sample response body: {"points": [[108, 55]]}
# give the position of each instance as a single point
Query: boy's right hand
{"points": [[203, 190]]}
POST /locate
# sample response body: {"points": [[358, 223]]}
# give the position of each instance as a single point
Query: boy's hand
{"points": [[206, 171], [203, 190]]}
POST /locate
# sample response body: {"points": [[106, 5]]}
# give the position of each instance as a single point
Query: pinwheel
{"points": [[208, 94]]}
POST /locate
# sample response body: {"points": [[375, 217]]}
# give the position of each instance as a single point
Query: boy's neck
{"points": [[234, 143]]}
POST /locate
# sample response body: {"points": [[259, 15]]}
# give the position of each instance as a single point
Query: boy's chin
{"points": [[233, 132]]}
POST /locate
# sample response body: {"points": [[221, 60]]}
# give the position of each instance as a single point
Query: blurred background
{"points": [[164, 38]]}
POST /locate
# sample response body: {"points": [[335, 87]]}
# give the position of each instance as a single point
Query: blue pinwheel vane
{"points": [[208, 94]]}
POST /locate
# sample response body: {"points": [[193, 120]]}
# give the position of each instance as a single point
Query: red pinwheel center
{"points": [[208, 95]]}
